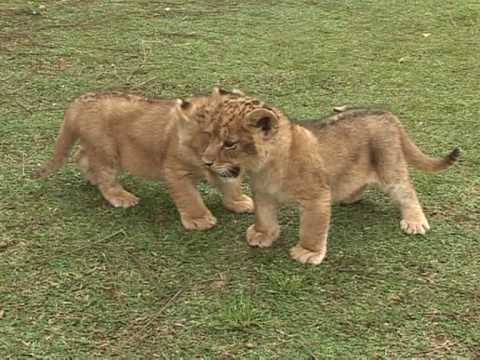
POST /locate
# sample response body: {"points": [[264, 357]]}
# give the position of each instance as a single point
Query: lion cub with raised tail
{"points": [[313, 164], [147, 138]]}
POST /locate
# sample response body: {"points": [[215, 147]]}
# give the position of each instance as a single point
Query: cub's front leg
{"points": [[193, 212], [233, 197], [266, 229], [314, 224]]}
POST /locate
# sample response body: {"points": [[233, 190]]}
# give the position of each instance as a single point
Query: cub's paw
{"points": [[305, 256], [123, 200], [262, 239], [415, 227], [200, 223], [242, 205]]}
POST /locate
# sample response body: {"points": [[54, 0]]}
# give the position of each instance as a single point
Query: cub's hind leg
{"points": [[113, 192], [354, 197], [83, 164], [413, 219], [395, 180], [100, 168]]}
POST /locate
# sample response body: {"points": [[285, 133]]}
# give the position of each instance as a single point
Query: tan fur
{"points": [[147, 138], [314, 164]]}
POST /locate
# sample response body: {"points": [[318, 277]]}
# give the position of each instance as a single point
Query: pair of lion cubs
{"points": [[221, 136]]}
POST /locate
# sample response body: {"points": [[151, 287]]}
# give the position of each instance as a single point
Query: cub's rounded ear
{"points": [[264, 120], [182, 107], [339, 109], [238, 92], [183, 104], [218, 91]]}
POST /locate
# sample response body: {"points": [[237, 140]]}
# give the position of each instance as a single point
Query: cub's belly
{"points": [[138, 163], [349, 186]]}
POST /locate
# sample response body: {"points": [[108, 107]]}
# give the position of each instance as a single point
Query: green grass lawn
{"points": [[81, 280]]}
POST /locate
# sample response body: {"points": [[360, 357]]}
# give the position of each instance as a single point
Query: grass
{"points": [[81, 280]]}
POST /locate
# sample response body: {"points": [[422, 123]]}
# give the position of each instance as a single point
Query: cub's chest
{"points": [[275, 186], [270, 183]]}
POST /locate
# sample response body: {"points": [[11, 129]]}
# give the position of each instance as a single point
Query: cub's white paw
{"points": [[415, 227], [305, 256], [200, 223], [123, 200], [243, 205], [262, 239]]}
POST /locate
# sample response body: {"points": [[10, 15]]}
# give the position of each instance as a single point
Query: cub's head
{"points": [[237, 132], [194, 119]]}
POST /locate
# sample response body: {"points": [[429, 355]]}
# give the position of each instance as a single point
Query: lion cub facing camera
{"points": [[314, 163], [148, 138]]}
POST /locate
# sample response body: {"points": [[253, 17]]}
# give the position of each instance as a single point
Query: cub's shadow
{"points": [[372, 215], [72, 194], [156, 212]]}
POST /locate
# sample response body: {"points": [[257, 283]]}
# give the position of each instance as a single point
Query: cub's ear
{"points": [[218, 91], [238, 92], [182, 108], [183, 104], [264, 120]]}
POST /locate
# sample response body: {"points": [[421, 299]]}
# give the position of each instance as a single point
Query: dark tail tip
{"points": [[454, 155]]}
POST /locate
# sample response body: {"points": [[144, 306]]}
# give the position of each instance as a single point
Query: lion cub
{"points": [[313, 164], [148, 138]]}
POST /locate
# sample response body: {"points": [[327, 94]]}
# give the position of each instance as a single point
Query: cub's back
{"points": [[115, 107], [347, 140], [352, 123]]}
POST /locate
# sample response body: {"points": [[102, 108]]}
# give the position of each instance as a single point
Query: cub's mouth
{"points": [[232, 172]]}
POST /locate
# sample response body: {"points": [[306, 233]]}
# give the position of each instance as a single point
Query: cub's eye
{"points": [[229, 145]]}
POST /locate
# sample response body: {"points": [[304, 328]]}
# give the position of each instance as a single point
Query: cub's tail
{"points": [[65, 141], [418, 159]]}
